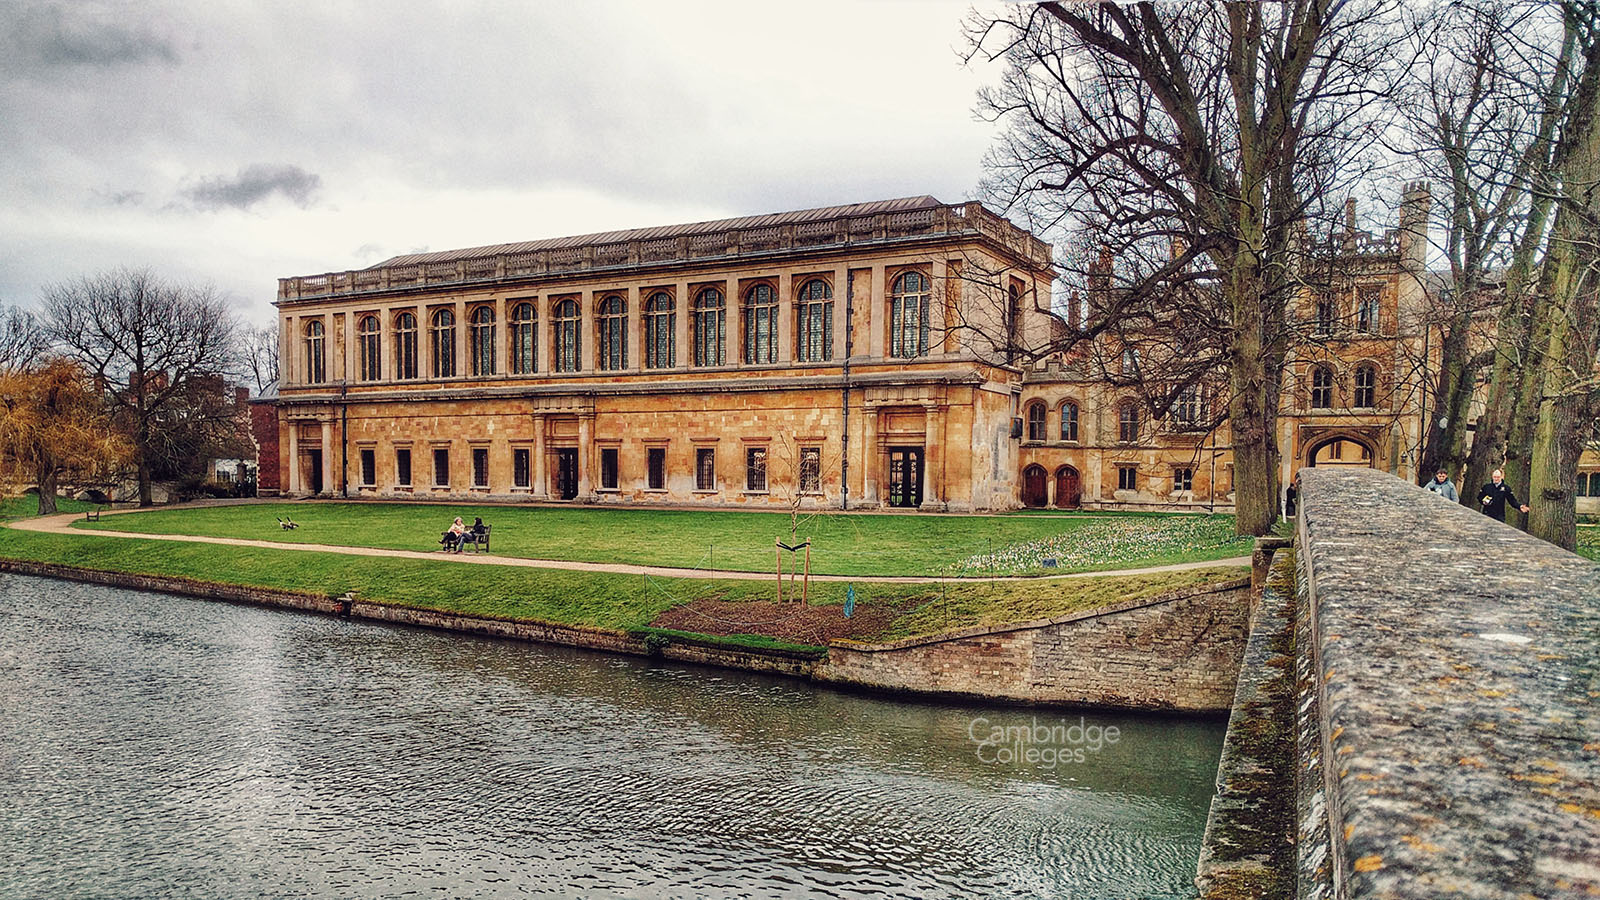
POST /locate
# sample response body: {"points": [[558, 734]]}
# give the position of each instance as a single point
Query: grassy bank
{"points": [[603, 600], [734, 540]]}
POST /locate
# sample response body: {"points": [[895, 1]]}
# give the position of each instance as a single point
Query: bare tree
{"points": [[261, 357], [1191, 142], [147, 342], [22, 340]]}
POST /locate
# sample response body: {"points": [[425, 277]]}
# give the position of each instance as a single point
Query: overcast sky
{"points": [[238, 142]]}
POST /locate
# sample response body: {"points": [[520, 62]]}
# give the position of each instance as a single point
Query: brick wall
{"points": [[264, 429], [1176, 652]]}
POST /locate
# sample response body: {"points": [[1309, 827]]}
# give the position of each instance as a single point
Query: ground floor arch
{"points": [[1341, 450], [1069, 488], [1035, 487]]}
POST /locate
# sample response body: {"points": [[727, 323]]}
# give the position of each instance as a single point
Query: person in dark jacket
{"points": [[1496, 494]]}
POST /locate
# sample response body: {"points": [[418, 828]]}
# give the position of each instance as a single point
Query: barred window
{"points": [[483, 341], [660, 331], [1325, 315], [611, 326], [1321, 387], [316, 361], [369, 467], [443, 338], [705, 469], [1366, 385], [761, 325], [480, 467], [1036, 421], [441, 467], [368, 348], [609, 467], [710, 328], [810, 470], [402, 466], [524, 339], [566, 353], [521, 467], [1069, 421], [755, 469], [656, 468], [405, 345], [908, 316], [814, 321]]}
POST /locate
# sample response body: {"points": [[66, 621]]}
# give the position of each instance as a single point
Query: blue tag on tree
{"points": [[850, 601]]}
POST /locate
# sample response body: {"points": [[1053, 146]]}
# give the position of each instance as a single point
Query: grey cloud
{"points": [[254, 184], [63, 36]]}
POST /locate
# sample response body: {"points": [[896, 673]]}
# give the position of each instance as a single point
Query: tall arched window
{"points": [[1366, 387], [316, 361], [566, 354], [813, 314], [483, 341], [710, 328], [443, 338], [1069, 421], [611, 330], [369, 349], [405, 345], [1321, 387], [908, 316], [524, 336], [1128, 422], [761, 325], [1036, 421], [660, 331]]}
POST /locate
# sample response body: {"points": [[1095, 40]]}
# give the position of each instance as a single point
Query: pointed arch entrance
{"points": [[1035, 491], [1069, 488], [1342, 450]]}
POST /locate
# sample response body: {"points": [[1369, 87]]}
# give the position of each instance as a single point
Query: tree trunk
{"points": [[47, 489], [1250, 410], [1446, 444]]}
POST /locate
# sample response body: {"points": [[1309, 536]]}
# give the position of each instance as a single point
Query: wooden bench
{"points": [[93, 515], [479, 541]]}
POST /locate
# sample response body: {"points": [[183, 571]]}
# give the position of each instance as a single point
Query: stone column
{"points": [[586, 326], [869, 454], [502, 337], [785, 314], [585, 448], [539, 490], [287, 355], [388, 368], [933, 458], [635, 338], [347, 365], [841, 318], [733, 336], [327, 456], [463, 365], [876, 306], [685, 306], [294, 457]]}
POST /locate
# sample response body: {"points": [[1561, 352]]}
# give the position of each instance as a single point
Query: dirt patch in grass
{"points": [[790, 622]]}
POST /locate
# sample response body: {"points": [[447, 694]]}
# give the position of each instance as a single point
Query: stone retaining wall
{"points": [[1178, 651]]}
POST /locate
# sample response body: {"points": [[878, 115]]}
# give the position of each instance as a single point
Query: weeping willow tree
{"points": [[54, 427]]}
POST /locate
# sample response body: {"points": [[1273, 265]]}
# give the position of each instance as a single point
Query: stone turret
{"points": [[1415, 202]]}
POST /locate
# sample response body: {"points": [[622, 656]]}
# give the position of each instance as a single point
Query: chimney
{"points": [[1075, 312]]}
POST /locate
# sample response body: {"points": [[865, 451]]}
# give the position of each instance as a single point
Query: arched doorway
{"points": [[1033, 486], [1341, 451], [1069, 491]]}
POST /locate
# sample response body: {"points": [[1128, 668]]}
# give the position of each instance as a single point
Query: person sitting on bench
{"points": [[478, 534], [452, 537]]}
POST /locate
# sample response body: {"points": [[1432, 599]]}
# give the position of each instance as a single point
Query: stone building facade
{"points": [[849, 356]]}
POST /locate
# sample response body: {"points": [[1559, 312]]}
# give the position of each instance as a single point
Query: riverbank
{"points": [[592, 610]]}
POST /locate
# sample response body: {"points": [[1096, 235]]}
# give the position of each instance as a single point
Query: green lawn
{"points": [[578, 598], [842, 544], [27, 506]]}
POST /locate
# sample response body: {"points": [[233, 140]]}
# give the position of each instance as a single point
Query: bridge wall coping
{"points": [[1456, 664]]}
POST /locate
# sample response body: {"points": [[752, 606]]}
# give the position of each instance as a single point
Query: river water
{"points": [[158, 746]]}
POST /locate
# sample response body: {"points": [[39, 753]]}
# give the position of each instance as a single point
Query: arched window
{"points": [[710, 328], [660, 331], [524, 339], [443, 339], [564, 331], [1128, 422], [1321, 387], [1069, 421], [1366, 387], [1188, 407], [1036, 422], [761, 325], [316, 362], [405, 345], [611, 330], [483, 341], [369, 349], [908, 316], [813, 313]]}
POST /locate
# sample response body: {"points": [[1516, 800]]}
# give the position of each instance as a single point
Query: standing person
{"points": [[1290, 495], [1441, 485], [1496, 494]]}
